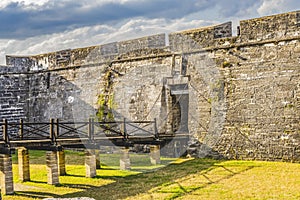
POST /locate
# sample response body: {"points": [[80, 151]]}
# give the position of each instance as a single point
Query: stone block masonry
{"points": [[271, 27], [7, 185], [155, 154], [61, 163], [242, 92], [125, 159], [52, 168], [23, 164], [13, 95], [90, 163]]}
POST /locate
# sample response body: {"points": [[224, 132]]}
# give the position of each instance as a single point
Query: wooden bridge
{"points": [[55, 135], [91, 134]]}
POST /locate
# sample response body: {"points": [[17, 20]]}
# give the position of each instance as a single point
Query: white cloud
{"points": [[23, 19], [27, 3], [269, 7]]}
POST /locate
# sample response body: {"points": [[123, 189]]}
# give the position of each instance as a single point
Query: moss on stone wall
{"points": [[106, 99]]}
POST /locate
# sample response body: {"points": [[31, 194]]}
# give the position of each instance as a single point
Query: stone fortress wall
{"points": [[243, 91]]}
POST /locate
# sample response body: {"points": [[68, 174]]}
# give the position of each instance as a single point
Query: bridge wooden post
{"points": [[52, 168], [5, 131], [61, 158], [124, 131], [155, 154], [98, 162], [23, 164], [155, 129], [52, 131], [125, 159], [56, 133], [7, 184], [90, 163], [21, 129], [91, 129]]}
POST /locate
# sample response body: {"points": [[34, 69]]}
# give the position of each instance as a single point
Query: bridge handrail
{"points": [[52, 130]]}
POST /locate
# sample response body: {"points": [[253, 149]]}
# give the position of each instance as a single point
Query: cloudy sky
{"points": [[38, 26]]}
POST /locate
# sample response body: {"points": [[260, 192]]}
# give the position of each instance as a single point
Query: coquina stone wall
{"points": [[243, 91], [13, 95]]}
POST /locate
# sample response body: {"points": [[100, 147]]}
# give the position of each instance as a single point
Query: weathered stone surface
{"points": [[90, 163], [155, 154], [197, 39], [14, 93], [125, 159], [61, 163], [271, 27], [23, 164], [52, 168], [7, 185]]}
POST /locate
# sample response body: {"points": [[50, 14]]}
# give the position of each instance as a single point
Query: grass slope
{"points": [[183, 179]]}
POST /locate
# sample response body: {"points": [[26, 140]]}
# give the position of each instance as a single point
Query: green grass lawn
{"points": [[183, 179]]}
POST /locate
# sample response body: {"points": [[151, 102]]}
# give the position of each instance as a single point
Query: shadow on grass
{"points": [[35, 181], [34, 195], [131, 185], [74, 175], [134, 184], [182, 191]]}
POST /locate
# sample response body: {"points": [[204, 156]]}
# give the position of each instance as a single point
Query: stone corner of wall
{"points": [[270, 27], [223, 30], [195, 39], [147, 42], [132, 48], [17, 63]]}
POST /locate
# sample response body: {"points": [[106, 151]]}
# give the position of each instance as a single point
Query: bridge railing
{"points": [[24, 130], [55, 130]]}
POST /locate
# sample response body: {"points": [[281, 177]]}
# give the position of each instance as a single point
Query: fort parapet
{"points": [[239, 95]]}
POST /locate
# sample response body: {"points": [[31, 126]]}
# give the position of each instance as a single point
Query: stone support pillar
{"points": [[155, 154], [125, 159], [7, 185], [52, 167], [23, 163], [61, 163], [90, 164], [98, 162]]}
